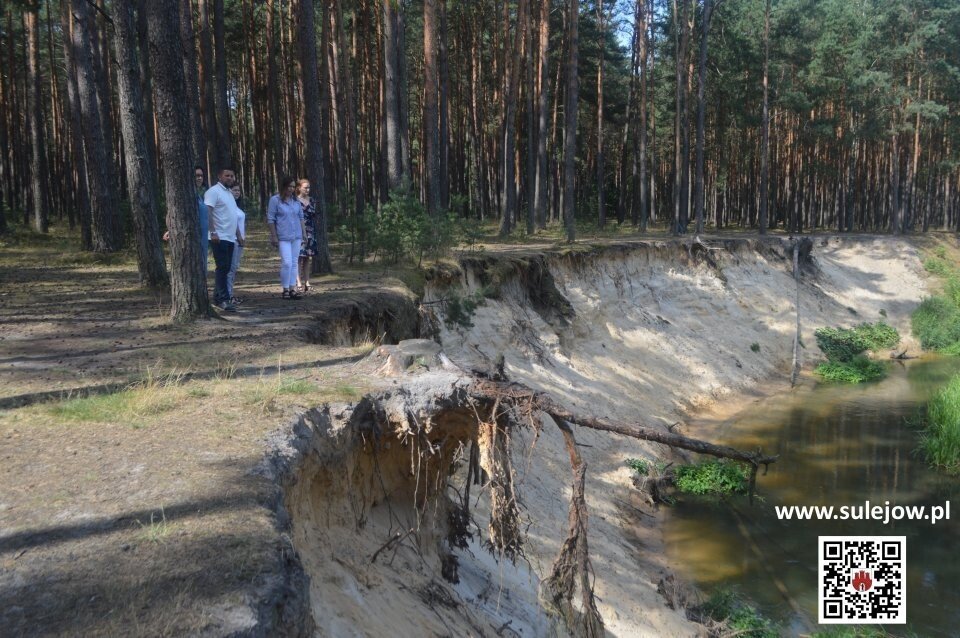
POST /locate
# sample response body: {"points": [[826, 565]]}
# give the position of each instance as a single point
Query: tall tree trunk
{"points": [[679, 24], [192, 77], [529, 92], [103, 195], [542, 187], [570, 120], [224, 137], [39, 178], [701, 116], [684, 121], [896, 225], [311, 107], [273, 91], [153, 269], [509, 129], [644, 84], [396, 178], [431, 125], [208, 91], [188, 284], [601, 202], [77, 155], [444, 65], [146, 79], [765, 145]]}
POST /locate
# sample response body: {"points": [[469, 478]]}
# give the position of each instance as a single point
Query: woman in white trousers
{"points": [[285, 218]]}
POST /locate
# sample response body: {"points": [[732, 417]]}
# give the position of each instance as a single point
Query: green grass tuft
{"points": [[719, 477], [936, 323], [940, 438], [295, 386], [755, 347], [937, 266]]}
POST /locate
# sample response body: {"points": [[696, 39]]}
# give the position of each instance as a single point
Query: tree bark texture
{"points": [[188, 284], [143, 204]]}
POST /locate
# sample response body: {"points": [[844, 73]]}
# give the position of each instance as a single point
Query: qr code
{"points": [[862, 580]]}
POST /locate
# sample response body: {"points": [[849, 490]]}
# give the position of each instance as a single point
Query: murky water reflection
{"points": [[838, 445]]}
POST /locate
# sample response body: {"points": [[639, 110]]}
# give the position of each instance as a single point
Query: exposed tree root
{"points": [[572, 567], [498, 407], [493, 441]]}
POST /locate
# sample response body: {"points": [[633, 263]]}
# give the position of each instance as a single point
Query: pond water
{"points": [[838, 445]]}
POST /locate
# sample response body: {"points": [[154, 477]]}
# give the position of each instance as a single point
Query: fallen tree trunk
{"points": [[518, 394]]}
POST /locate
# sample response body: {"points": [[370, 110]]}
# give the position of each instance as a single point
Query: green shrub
{"points": [[839, 344], [740, 618], [878, 335], [638, 465], [718, 477], [940, 438], [857, 370], [755, 347], [941, 252], [843, 344], [951, 289], [936, 323]]}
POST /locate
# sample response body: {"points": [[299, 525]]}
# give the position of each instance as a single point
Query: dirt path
{"points": [[137, 510]]}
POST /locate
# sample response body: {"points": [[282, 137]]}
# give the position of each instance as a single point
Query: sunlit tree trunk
{"points": [[39, 178]]}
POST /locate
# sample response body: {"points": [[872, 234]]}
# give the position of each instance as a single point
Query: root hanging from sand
{"points": [[572, 567], [572, 571], [495, 458], [432, 434]]}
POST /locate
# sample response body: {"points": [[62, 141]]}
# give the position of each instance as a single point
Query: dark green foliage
{"points": [[878, 335], [638, 465], [857, 370], [755, 347], [459, 310], [718, 477], [843, 344], [739, 618]]}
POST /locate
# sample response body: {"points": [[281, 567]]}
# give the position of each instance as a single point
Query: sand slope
{"points": [[657, 332]]}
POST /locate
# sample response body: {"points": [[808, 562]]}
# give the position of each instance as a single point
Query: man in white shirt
{"points": [[223, 215]]}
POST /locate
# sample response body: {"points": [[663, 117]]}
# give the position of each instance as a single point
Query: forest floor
{"points": [[129, 444]]}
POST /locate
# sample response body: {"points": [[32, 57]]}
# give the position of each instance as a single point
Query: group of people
{"points": [[291, 216]]}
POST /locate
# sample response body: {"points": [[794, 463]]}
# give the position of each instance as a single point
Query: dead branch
{"points": [[396, 538]]}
